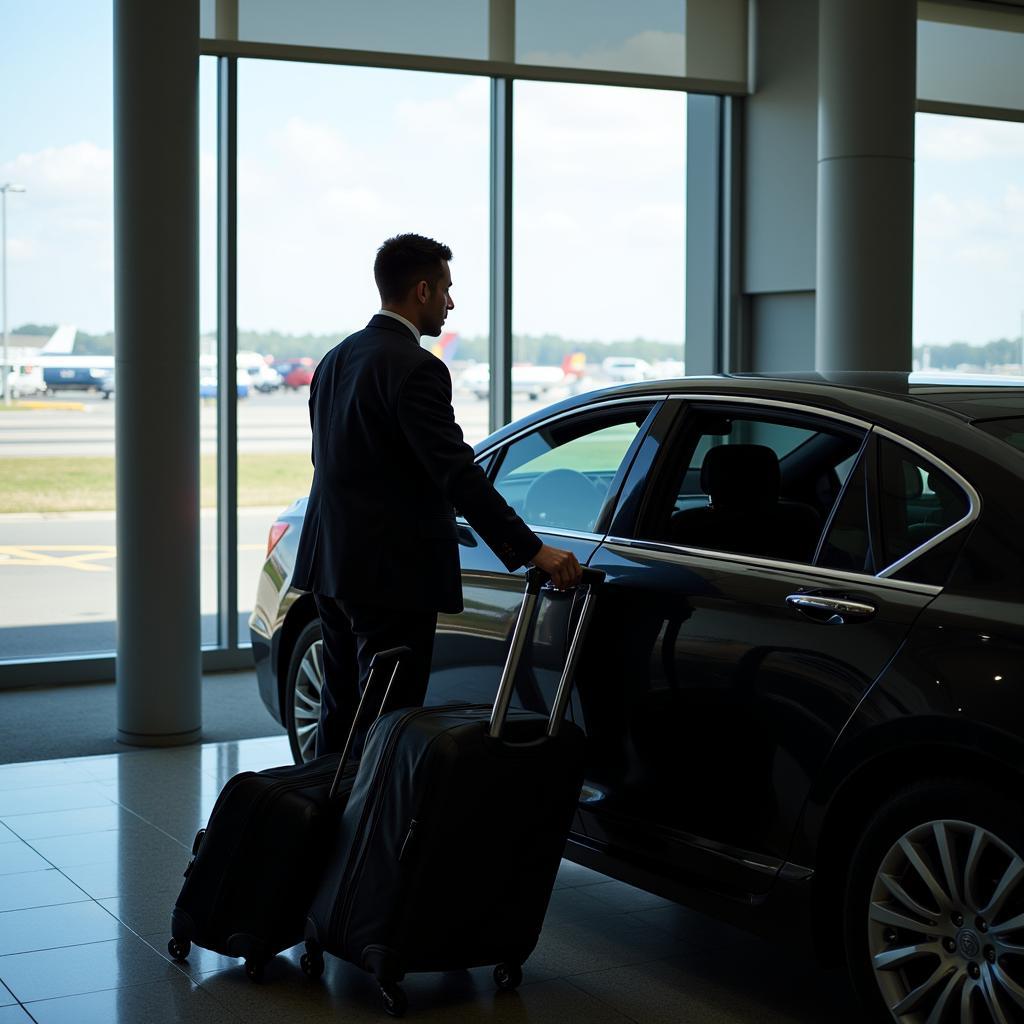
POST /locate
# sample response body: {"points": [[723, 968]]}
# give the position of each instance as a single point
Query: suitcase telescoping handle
{"points": [[392, 656], [535, 579]]}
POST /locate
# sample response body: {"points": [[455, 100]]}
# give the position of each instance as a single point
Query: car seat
{"points": [[744, 513]]}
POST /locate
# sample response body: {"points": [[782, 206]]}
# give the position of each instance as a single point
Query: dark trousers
{"points": [[353, 634]]}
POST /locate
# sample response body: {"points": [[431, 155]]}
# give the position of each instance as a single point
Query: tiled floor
{"points": [[91, 854]]}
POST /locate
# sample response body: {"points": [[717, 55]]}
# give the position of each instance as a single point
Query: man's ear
{"points": [[422, 291]]}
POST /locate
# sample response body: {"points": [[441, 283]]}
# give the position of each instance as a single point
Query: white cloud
{"points": [[969, 254], [653, 52], [60, 243], [962, 139]]}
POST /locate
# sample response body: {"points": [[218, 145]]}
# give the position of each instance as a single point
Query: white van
{"points": [[25, 380]]}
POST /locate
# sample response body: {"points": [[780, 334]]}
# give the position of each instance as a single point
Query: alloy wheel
{"points": [[309, 682], [946, 926]]}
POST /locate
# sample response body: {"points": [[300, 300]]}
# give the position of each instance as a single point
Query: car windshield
{"points": [[1010, 430]]}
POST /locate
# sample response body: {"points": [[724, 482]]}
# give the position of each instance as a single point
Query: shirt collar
{"points": [[401, 319]]}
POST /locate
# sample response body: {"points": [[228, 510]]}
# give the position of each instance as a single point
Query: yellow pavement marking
{"points": [[70, 556], [55, 406], [62, 556]]}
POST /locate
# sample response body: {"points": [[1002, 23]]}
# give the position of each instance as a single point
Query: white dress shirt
{"points": [[401, 319]]}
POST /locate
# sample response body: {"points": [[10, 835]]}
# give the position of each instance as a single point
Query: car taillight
{"points": [[277, 531]]}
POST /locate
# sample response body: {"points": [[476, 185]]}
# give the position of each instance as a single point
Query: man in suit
{"points": [[379, 548]]}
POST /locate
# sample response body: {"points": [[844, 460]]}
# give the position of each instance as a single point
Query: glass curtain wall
{"points": [[969, 245], [599, 227], [57, 555], [332, 161], [209, 438]]}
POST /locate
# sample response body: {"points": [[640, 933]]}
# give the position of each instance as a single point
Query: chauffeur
{"points": [[379, 547]]}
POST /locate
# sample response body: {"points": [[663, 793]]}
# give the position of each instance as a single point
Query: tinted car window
{"points": [[847, 545], [916, 501], [559, 476], [1010, 430], [754, 485]]}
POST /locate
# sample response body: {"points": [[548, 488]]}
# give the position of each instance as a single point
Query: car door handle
{"points": [[835, 611]]}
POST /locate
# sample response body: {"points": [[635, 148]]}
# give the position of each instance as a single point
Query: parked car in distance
{"points": [[803, 687], [208, 384], [25, 380], [296, 373], [626, 368]]}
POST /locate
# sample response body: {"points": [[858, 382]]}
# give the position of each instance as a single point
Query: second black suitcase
{"points": [[257, 864], [453, 833]]}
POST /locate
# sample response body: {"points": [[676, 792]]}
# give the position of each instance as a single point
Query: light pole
{"points": [[4, 189]]}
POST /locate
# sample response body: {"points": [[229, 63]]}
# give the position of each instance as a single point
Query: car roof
{"points": [[963, 397], [969, 395]]}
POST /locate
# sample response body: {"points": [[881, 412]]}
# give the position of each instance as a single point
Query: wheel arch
{"points": [[858, 796], [300, 614]]}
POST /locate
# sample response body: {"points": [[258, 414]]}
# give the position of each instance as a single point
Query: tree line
{"points": [[545, 350]]}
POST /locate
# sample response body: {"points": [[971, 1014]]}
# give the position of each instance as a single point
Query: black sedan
{"points": [[800, 689]]}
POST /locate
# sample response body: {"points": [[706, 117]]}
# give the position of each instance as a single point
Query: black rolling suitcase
{"points": [[449, 846], [257, 864]]}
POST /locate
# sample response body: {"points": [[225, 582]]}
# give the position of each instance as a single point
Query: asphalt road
{"points": [[58, 573]]}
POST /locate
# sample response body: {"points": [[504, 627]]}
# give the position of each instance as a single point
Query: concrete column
{"points": [[156, 214], [866, 76]]}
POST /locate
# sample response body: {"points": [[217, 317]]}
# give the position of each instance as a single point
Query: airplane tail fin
{"points": [[446, 346], [61, 342]]}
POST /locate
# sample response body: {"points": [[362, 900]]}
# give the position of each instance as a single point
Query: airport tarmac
{"points": [[275, 422], [58, 571], [58, 574]]}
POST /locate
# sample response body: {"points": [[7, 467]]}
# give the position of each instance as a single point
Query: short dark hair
{"points": [[405, 260]]}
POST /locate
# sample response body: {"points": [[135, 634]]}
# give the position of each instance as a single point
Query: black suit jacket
{"points": [[389, 462]]}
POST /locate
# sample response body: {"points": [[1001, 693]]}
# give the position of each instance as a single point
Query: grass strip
{"points": [[86, 484]]}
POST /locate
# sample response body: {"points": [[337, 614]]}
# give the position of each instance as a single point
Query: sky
{"points": [[332, 160]]}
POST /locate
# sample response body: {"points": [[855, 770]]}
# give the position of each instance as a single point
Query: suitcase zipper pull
{"points": [[407, 840]]}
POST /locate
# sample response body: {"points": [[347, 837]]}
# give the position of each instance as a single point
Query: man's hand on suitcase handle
{"points": [[561, 566]]}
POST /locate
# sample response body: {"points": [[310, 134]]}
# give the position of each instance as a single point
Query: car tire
{"points": [[302, 692], [933, 913]]}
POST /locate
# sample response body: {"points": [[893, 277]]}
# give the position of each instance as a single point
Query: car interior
{"points": [[757, 487], [560, 476]]}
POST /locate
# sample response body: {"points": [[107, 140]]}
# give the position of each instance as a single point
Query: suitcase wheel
{"points": [[394, 999], [312, 962], [254, 968], [179, 949], [508, 976]]}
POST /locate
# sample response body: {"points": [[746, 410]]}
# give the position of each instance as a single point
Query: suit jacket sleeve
{"points": [[427, 420]]}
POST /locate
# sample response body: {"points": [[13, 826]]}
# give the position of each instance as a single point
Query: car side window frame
{"points": [[676, 450], [865, 456], [652, 403], [973, 500]]}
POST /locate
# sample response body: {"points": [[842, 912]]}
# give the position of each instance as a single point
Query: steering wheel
{"points": [[562, 498]]}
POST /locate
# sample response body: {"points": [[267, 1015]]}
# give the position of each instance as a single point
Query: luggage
{"points": [[447, 851], [256, 865]]}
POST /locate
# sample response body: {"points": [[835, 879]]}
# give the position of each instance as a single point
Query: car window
{"points": [[751, 484], [847, 545], [558, 477], [916, 501]]}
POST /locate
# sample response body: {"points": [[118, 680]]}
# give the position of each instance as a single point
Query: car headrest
{"points": [[734, 475]]}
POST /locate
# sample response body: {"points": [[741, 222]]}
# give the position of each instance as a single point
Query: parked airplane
{"points": [[61, 370]]}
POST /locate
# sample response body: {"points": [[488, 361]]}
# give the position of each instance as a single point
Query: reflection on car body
{"points": [[809, 649]]}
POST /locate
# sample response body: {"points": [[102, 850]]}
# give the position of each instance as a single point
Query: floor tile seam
{"points": [[604, 1002], [77, 835], [71, 945], [43, 906], [153, 824], [111, 988], [25, 842], [107, 802]]}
